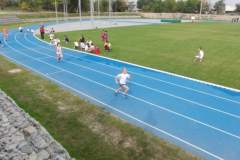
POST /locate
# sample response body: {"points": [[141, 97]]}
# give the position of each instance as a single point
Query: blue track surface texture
{"points": [[202, 118]]}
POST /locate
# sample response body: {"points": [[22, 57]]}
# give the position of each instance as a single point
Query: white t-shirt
{"points": [[201, 54], [51, 36], [82, 45], [86, 48], [122, 78], [59, 51], [76, 44]]}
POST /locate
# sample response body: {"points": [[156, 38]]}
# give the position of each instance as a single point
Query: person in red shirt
{"points": [[103, 35], [42, 31], [97, 50]]}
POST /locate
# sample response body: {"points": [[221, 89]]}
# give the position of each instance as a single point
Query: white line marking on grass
{"points": [[119, 111], [152, 69], [139, 99], [156, 90]]}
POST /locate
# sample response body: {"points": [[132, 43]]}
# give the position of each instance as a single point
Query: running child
{"points": [[59, 53], [121, 79], [20, 28]]}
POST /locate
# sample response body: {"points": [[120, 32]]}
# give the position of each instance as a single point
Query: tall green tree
{"points": [[192, 6], [157, 6], [3, 4], [119, 6], [169, 5], [180, 5], [238, 7], [220, 6]]}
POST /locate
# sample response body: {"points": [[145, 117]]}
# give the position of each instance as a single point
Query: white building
{"points": [[132, 5]]}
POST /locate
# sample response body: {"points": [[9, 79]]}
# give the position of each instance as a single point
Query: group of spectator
{"points": [[82, 44], [235, 20], [89, 46], [86, 45]]}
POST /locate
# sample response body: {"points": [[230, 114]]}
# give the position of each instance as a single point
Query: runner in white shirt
{"points": [[59, 53], [20, 29], [121, 79], [200, 55]]}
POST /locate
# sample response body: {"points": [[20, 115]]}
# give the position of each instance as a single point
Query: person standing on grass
{"points": [[106, 36], [82, 39], [121, 79], [59, 53], [66, 39], [42, 31], [200, 55], [102, 35]]}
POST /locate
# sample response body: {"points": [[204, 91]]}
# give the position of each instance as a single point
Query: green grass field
{"points": [[172, 48]]}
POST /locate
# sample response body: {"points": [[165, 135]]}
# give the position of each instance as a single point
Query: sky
{"points": [[230, 4]]}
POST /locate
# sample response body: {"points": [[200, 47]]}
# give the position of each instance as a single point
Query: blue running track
{"points": [[200, 117]]}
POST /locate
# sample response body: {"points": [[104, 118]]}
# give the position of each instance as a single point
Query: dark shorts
{"points": [[123, 86]]}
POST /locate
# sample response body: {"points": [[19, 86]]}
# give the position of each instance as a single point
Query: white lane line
{"points": [[119, 111], [157, 79], [54, 73], [139, 99], [155, 90]]}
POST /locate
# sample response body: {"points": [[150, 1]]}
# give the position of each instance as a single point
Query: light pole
{"points": [[200, 13], [80, 10], [91, 10], [56, 11], [98, 9], [65, 9], [110, 8]]}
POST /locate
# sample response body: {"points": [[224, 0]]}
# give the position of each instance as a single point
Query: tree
{"points": [[104, 5], [24, 5], [169, 5], [219, 6], [180, 5], [146, 5], [192, 6], [157, 6], [119, 6], [237, 7], [206, 7], [3, 4]]}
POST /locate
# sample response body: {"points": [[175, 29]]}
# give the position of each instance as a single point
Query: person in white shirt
{"points": [[121, 79], [20, 29], [86, 48], [76, 45], [82, 46], [200, 55], [51, 36], [193, 19], [55, 41], [59, 53]]}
